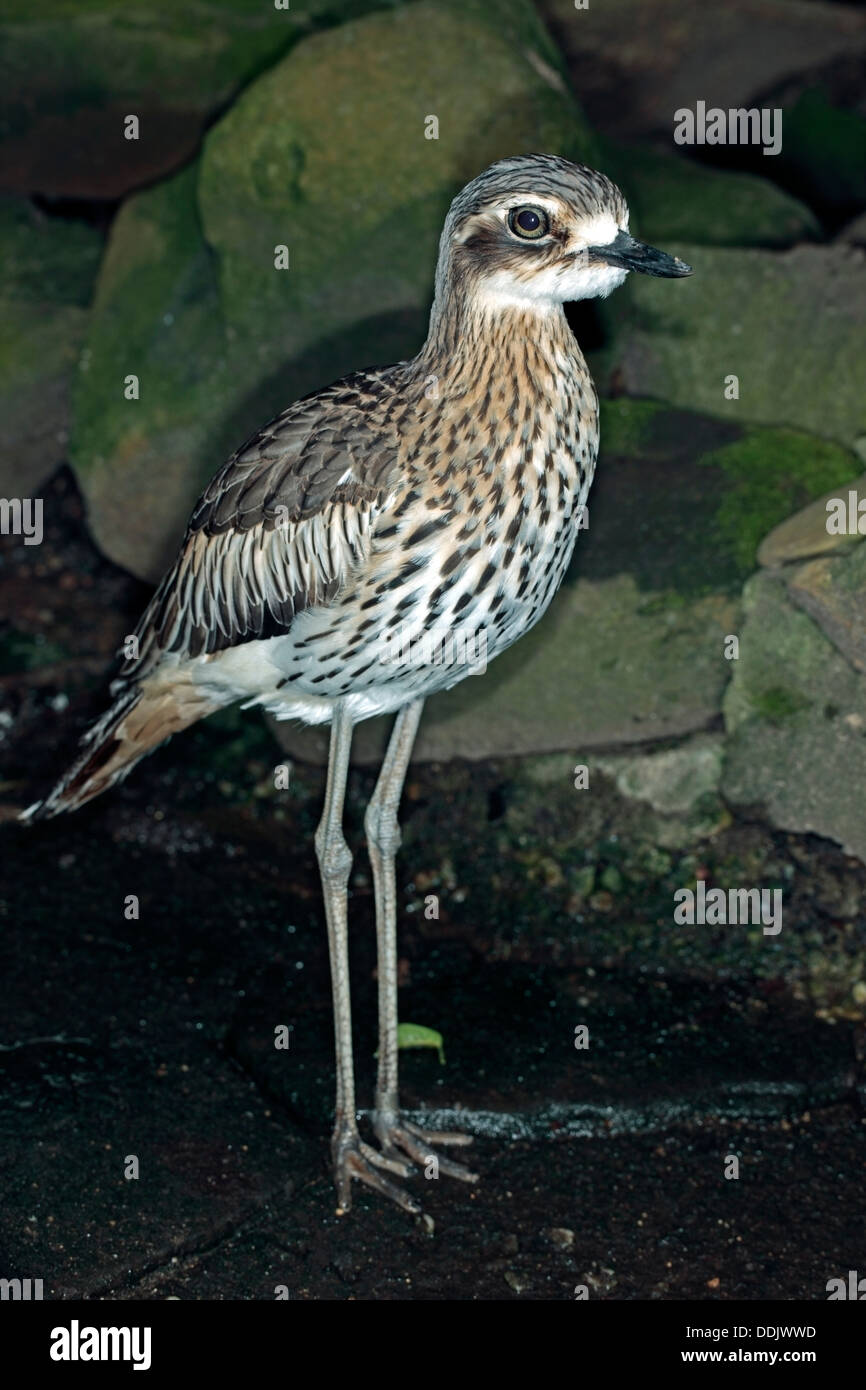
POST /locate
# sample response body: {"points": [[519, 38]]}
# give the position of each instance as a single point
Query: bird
{"points": [[441, 494]]}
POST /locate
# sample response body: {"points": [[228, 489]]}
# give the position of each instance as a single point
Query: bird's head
{"points": [[536, 231]]}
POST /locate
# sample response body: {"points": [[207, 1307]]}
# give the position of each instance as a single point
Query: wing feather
{"points": [[280, 527]]}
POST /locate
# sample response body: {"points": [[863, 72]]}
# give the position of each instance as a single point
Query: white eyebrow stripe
{"points": [[600, 230]]}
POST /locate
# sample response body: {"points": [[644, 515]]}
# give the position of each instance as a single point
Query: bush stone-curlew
{"points": [[441, 494]]}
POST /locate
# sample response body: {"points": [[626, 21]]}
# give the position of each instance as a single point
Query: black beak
{"points": [[636, 255]]}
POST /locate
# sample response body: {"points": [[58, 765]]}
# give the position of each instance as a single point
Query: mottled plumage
{"points": [[440, 494]]}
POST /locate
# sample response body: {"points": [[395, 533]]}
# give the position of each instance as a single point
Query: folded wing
{"points": [[279, 529]]}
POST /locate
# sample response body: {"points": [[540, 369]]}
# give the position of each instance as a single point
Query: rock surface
{"points": [[855, 231], [635, 62], [833, 592], [679, 784], [672, 198], [74, 73], [795, 714], [788, 325], [806, 533], [48, 274]]}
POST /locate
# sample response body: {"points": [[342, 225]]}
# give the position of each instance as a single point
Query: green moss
{"points": [[19, 651], [526, 915], [626, 425], [156, 315], [771, 474], [46, 260], [826, 148], [778, 703], [97, 52], [611, 879], [49, 268], [668, 601], [38, 343]]}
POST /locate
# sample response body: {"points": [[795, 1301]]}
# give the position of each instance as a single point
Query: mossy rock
{"points": [[325, 155], [787, 325], [588, 874], [693, 497], [795, 713], [771, 474], [832, 590], [75, 69], [675, 199], [49, 268]]}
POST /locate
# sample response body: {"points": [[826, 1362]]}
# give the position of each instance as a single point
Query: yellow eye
{"points": [[528, 223]]}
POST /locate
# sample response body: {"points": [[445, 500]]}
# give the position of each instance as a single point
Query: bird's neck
{"points": [[471, 340]]}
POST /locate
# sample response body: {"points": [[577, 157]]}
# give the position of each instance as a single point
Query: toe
{"points": [[360, 1163], [371, 1177], [392, 1161], [422, 1153], [445, 1137]]}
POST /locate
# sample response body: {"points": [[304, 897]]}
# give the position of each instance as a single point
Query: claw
{"points": [[356, 1161]]}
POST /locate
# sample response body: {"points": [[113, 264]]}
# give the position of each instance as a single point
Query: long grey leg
{"points": [[383, 840], [352, 1159], [335, 862]]}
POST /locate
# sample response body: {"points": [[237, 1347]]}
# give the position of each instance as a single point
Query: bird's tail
{"points": [[141, 718]]}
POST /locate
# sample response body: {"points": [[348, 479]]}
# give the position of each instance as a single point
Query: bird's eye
{"points": [[528, 223]]}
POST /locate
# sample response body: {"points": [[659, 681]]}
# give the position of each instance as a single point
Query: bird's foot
{"points": [[401, 1139], [359, 1162]]}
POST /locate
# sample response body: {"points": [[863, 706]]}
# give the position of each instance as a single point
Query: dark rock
{"points": [[73, 74], [635, 62]]}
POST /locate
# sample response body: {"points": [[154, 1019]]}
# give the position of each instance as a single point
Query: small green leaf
{"points": [[414, 1035]]}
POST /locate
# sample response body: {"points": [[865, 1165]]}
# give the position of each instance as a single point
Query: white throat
{"points": [[550, 288]]}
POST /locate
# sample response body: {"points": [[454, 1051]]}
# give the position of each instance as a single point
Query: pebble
{"points": [[561, 1237], [515, 1282]]}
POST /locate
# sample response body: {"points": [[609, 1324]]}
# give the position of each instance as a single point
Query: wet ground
{"points": [[153, 1035]]}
